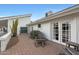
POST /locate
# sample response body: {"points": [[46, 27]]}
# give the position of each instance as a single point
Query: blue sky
{"points": [[37, 10]]}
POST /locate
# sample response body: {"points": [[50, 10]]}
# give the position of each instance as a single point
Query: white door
{"points": [[66, 30]]}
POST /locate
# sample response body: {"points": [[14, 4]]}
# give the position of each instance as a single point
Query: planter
{"points": [[14, 34]]}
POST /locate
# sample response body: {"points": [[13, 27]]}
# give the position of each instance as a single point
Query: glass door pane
{"points": [[56, 33], [65, 32]]}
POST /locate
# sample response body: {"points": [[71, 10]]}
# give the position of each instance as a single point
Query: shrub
{"points": [[34, 34], [37, 35]]}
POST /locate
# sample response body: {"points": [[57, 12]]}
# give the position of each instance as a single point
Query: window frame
{"points": [[56, 31], [39, 25], [66, 32]]}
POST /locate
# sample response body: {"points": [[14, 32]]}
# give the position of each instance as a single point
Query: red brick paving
{"points": [[25, 46]]}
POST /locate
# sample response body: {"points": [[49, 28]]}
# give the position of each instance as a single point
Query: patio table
{"points": [[40, 42]]}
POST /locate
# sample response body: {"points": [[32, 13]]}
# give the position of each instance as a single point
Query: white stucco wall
{"points": [[29, 29], [22, 22], [45, 28], [71, 20], [77, 23], [35, 27], [10, 22], [74, 30]]}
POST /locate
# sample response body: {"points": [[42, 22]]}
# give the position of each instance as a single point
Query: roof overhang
{"points": [[68, 11], [14, 17]]}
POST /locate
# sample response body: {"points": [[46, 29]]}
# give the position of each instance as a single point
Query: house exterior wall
{"points": [[10, 22], [77, 30], [22, 22], [71, 19], [35, 27], [29, 29], [45, 28]]}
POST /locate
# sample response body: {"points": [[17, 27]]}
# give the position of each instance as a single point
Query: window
{"points": [[23, 29], [46, 14], [56, 33], [32, 28], [39, 25], [65, 32]]}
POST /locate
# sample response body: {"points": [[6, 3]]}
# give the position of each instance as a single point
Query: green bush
{"points": [[35, 34]]}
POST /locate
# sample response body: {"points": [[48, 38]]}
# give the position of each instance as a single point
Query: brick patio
{"points": [[25, 46]]}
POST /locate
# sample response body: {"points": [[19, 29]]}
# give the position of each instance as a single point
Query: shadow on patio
{"points": [[12, 42], [25, 46]]}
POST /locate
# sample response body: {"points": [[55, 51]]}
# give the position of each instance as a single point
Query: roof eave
{"points": [[14, 17], [73, 9]]}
